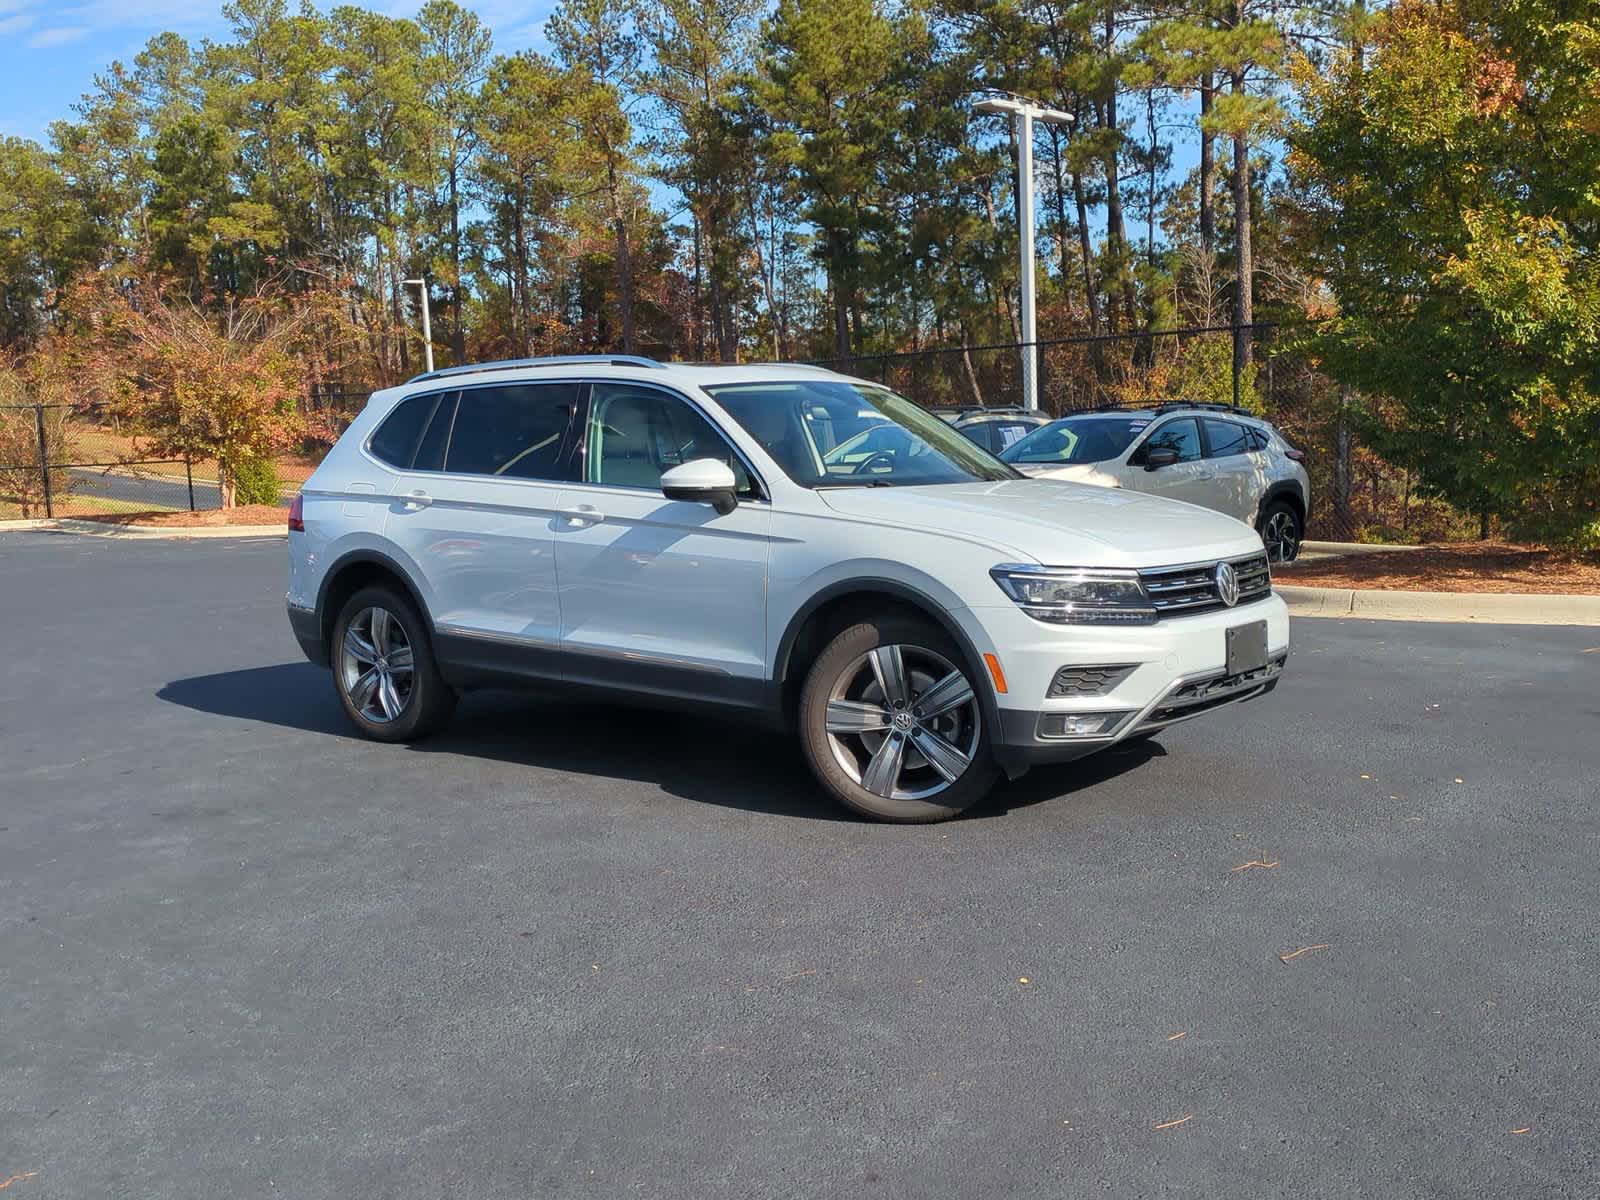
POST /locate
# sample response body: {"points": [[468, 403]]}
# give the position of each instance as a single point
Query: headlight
{"points": [[1076, 596]]}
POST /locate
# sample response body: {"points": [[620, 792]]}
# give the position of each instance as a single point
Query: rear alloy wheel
{"points": [[1281, 532], [384, 671], [892, 724]]}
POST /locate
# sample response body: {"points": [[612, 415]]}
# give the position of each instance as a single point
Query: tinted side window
{"points": [[1226, 438], [637, 433], [396, 439], [1008, 435], [1182, 435], [520, 431], [430, 450], [979, 433], [1259, 440]]}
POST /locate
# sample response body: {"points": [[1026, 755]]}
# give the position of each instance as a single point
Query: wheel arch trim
{"points": [[366, 556], [910, 595]]}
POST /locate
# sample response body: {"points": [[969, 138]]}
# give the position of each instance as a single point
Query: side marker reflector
{"points": [[995, 673]]}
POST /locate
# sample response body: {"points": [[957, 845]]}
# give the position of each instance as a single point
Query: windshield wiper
{"points": [[854, 483]]}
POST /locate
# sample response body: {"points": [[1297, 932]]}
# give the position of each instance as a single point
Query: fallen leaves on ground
{"points": [[1175, 1124], [1457, 567], [1303, 950], [209, 518], [5, 1183]]}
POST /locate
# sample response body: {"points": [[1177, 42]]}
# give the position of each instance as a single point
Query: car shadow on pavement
{"points": [[705, 760]]}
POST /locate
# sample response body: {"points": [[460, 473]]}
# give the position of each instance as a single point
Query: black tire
{"points": [[430, 700], [923, 652], [1281, 531]]}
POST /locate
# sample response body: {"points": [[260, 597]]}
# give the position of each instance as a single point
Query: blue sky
{"points": [[51, 50]]}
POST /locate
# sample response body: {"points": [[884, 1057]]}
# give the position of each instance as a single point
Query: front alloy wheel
{"points": [[903, 722], [893, 726], [1280, 533]]}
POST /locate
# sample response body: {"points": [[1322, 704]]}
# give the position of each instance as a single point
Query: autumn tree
{"points": [[1448, 164]]}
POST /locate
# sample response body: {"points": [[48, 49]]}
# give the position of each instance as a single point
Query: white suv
{"points": [[924, 617], [1224, 458]]}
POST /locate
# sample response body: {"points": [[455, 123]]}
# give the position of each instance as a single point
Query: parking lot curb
{"points": [[1485, 608], [138, 533]]}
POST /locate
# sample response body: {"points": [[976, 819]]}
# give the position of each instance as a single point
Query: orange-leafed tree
{"points": [[219, 379]]}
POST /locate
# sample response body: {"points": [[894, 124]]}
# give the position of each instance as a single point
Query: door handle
{"points": [[583, 515], [416, 500]]}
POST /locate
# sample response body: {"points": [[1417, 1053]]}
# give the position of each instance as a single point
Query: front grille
{"points": [[1192, 588], [1088, 681], [1201, 695]]}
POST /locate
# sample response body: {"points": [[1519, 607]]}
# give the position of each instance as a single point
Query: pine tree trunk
{"points": [[841, 298], [624, 262], [1343, 443], [1208, 169], [699, 287], [458, 333]]}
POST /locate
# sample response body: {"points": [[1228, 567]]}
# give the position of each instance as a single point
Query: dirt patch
{"points": [[1459, 567], [211, 518]]}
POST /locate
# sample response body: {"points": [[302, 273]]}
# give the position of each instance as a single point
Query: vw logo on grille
{"points": [[1227, 584]]}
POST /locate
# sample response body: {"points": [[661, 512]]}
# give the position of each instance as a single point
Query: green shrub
{"points": [[255, 481]]}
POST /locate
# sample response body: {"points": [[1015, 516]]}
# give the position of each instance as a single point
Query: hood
{"points": [[1076, 472], [1055, 523]]}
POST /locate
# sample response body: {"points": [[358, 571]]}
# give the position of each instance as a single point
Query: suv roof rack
{"points": [[978, 409], [1168, 406], [555, 360], [1203, 406]]}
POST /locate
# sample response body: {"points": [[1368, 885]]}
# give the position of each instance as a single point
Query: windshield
{"points": [[832, 433], [1077, 440]]}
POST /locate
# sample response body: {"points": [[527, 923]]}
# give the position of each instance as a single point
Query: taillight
{"points": [[1297, 455], [297, 514]]}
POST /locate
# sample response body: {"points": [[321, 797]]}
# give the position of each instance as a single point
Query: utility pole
{"points": [[1025, 113], [427, 323]]}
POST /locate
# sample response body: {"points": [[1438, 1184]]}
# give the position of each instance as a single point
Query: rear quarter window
{"points": [[395, 441]]}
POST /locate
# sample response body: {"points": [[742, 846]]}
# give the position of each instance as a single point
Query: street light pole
{"points": [[427, 323], [1024, 113]]}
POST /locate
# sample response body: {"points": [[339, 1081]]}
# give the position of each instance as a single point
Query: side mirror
{"points": [[702, 481], [1156, 459]]}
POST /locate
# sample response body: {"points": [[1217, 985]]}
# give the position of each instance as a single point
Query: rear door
{"points": [[660, 595], [1239, 468], [477, 510]]}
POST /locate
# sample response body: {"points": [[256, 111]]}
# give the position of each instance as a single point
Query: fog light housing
{"points": [[1054, 726]]}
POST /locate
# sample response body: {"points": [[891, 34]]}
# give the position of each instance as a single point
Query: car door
{"points": [[477, 512], [1189, 479], [657, 594], [1240, 471]]}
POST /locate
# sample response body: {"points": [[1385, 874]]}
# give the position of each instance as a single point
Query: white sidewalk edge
{"points": [[137, 533], [1488, 608]]}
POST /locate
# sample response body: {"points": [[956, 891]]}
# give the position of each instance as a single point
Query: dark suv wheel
{"points": [[1281, 531], [383, 668], [891, 723]]}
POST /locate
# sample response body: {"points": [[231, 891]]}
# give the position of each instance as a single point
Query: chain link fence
{"points": [[57, 461]]}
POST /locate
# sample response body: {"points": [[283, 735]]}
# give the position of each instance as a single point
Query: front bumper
{"points": [[1158, 676]]}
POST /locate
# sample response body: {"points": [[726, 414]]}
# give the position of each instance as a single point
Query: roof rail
{"points": [[1205, 406], [1169, 406], [556, 360]]}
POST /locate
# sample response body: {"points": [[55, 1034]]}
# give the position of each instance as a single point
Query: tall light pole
{"points": [[1024, 113], [427, 323]]}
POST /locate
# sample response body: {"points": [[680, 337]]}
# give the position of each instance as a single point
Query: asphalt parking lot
{"points": [[591, 952]]}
